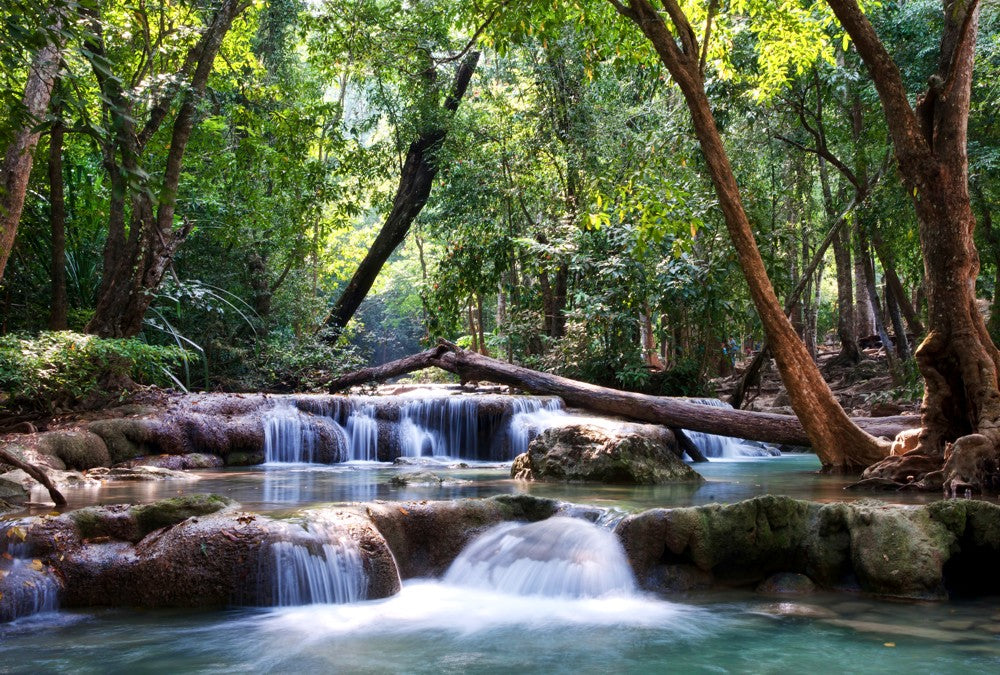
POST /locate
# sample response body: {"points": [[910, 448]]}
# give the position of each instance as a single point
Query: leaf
{"points": [[18, 532], [404, 511], [36, 565]]}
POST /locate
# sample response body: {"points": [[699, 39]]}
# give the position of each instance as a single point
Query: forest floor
{"points": [[866, 389]]}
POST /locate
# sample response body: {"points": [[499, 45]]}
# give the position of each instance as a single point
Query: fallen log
{"points": [[668, 411], [407, 364], [7, 457]]}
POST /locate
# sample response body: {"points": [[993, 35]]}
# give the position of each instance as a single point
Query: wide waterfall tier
{"points": [[557, 557], [329, 429], [317, 564], [712, 445]]}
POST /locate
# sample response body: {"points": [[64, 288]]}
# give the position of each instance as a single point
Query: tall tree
{"points": [[19, 156], [840, 444], [136, 257], [959, 362], [57, 222]]}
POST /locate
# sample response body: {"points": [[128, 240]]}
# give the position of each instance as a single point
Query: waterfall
{"points": [[26, 587], [532, 416], [712, 445], [558, 557], [443, 426], [362, 434], [293, 436], [318, 565]]}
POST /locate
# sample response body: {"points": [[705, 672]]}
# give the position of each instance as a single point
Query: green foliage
{"points": [[59, 369], [288, 363]]}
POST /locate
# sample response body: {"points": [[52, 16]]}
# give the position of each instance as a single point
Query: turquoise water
{"points": [[433, 628], [284, 486]]}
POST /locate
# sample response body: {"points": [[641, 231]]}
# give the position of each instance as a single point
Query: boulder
{"points": [[629, 454], [138, 473], [77, 449], [191, 460], [426, 537], [423, 479], [786, 583], [13, 491]]}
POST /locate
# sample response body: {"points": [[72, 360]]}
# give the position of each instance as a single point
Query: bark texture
{"points": [[19, 156], [959, 362], [57, 222], [415, 182], [136, 258], [839, 443]]}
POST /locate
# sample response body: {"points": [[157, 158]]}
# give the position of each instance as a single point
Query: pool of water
{"points": [[279, 487], [431, 627]]}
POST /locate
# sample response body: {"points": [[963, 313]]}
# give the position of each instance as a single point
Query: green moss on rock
{"points": [[166, 512], [78, 449]]}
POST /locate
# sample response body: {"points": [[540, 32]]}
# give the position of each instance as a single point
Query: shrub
{"points": [[61, 369]]}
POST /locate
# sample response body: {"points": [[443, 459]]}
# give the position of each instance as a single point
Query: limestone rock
{"points": [[589, 452], [786, 583]]}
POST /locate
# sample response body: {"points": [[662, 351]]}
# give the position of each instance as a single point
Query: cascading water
{"points": [[318, 565], [557, 557], [530, 417], [25, 585], [288, 435], [442, 426], [362, 434], [712, 445]]}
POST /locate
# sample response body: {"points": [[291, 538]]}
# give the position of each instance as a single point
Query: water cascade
{"points": [[362, 434], [25, 584], [288, 435], [557, 557], [317, 565], [445, 426], [530, 417], [715, 446]]}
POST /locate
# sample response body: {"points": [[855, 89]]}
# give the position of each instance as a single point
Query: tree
{"points": [[415, 182], [19, 156], [840, 444], [136, 257], [958, 444]]}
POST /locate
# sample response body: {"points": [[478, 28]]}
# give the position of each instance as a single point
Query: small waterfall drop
{"points": [[442, 426], [26, 587], [319, 565], [530, 417], [362, 434], [557, 557], [288, 436], [712, 445]]}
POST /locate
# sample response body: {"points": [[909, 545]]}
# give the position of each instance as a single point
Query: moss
{"points": [[149, 517], [125, 438], [526, 507], [79, 450], [245, 458]]}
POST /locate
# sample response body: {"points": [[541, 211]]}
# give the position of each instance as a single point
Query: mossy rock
{"points": [[167, 512], [78, 449], [245, 458], [125, 438], [12, 492]]}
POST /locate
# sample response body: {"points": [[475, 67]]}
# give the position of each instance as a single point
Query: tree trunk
{"points": [[668, 411], [57, 221], [959, 362], [136, 270], [864, 314], [895, 285], [415, 182], [839, 443], [19, 156]]}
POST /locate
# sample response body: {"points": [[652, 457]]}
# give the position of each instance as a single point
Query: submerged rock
{"points": [[786, 583], [192, 460], [424, 478], [636, 454], [138, 473]]}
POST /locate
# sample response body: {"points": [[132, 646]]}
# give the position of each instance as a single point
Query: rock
{"points": [[13, 491], [59, 478], [425, 537], [192, 460], [26, 587], [125, 438], [589, 452], [77, 449], [786, 583], [132, 523], [423, 478], [678, 578], [905, 441], [796, 610], [245, 458], [138, 473], [955, 624], [908, 630]]}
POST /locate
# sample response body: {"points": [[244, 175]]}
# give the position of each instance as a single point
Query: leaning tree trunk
{"points": [[958, 444], [669, 411], [16, 167], [840, 444], [415, 182]]}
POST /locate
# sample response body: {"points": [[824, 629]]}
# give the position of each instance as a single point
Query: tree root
{"points": [[8, 458]]}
